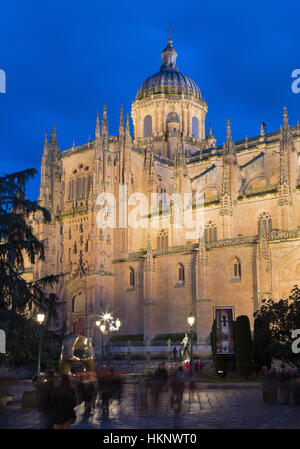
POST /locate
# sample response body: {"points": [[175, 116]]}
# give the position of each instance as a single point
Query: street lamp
{"points": [[191, 321], [40, 319], [108, 324]]}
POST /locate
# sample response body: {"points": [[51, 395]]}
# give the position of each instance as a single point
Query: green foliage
{"points": [[19, 241], [262, 344], [20, 299], [22, 341], [243, 346], [282, 316]]}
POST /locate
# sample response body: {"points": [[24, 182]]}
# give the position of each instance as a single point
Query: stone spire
{"points": [[149, 261], [285, 147], [128, 139], [104, 127], [53, 145], [104, 130], [45, 148], [229, 152], [229, 157], [210, 138], [121, 123], [97, 129]]}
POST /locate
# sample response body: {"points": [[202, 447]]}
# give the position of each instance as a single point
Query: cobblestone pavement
{"points": [[209, 409]]}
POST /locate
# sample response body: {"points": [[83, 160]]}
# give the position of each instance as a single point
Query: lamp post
{"points": [[40, 319], [107, 324], [191, 321]]}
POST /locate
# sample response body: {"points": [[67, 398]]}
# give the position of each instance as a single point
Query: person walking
{"points": [[64, 403], [45, 395], [174, 354]]}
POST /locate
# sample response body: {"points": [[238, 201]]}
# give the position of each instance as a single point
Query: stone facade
{"points": [[152, 277]]}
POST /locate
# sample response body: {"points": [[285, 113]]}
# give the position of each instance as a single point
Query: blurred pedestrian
{"points": [[174, 354], [45, 395], [273, 386], [192, 385], [64, 403]]}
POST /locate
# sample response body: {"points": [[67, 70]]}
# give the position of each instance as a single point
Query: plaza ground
{"points": [[238, 408]]}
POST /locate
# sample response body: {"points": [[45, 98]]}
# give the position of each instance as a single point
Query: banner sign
{"points": [[224, 331]]}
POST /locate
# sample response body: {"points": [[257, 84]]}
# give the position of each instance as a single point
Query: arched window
{"points": [[131, 277], [70, 190], [237, 269], [210, 232], [195, 127], [162, 240], [266, 220], [170, 115], [147, 126], [162, 198], [181, 273], [78, 188], [83, 187]]}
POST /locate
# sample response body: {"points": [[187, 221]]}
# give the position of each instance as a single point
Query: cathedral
{"points": [[152, 277]]}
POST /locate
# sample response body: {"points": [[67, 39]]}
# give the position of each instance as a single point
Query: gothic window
{"points": [[70, 234], [162, 240], [266, 220], [78, 188], [80, 228], [86, 246], [162, 197], [195, 127], [210, 232], [181, 273], [75, 248], [83, 187], [147, 126], [70, 191], [237, 269], [131, 277]]}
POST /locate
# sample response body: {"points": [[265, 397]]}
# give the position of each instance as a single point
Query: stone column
{"points": [[150, 303], [203, 303]]}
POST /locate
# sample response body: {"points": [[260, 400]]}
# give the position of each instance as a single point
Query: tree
{"points": [[282, 317], [262, 344], [19, 298], [243, 346]]}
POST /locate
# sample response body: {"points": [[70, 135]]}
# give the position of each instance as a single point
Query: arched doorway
{"points": [[78, 327]]}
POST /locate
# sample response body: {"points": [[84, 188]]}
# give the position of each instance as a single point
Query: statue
{"points": [[184, 349], [76, 349]]}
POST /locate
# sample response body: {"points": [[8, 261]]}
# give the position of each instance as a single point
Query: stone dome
{"points": [[169, 80]]}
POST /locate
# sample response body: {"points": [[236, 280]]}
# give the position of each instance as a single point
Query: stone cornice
{"points": [[237, 241]]}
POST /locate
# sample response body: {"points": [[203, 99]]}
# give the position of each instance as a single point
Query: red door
{"points": [[78, 327]]}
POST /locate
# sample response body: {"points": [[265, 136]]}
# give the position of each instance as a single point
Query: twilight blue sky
{"points": [[63, 60]]}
